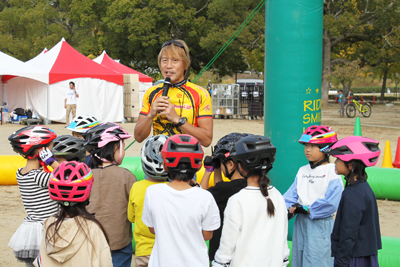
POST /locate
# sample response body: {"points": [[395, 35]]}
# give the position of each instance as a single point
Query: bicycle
{"points": [[364, 109]]}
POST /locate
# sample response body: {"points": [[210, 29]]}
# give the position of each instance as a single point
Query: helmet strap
{"points": [[119, 160], [319, 163], [45, 168], [229, 174]]}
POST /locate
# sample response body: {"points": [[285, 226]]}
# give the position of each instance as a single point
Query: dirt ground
{"points": [[383, 125]]}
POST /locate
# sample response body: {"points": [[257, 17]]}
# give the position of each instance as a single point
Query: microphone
{"points": [[167, 84]]}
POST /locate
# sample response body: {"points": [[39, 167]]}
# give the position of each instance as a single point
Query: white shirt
{"points": [[312, 183], [178, 218], [71, 97], [250, 237]]}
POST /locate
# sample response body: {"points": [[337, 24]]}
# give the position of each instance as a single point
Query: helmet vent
{"points": [[53, 194], [66, 188], [67, 173], [373, 159], [185, 138], [78, 196], [371, 146], [81, 188], [159, 169], [65, 196], [51, 186], [170, 160]]}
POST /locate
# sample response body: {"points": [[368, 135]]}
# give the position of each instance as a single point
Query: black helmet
{"points": [[251, 151], [69, 147], [226, 143]]}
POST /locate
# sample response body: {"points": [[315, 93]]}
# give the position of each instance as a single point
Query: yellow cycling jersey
{"points": [[189, 100]]}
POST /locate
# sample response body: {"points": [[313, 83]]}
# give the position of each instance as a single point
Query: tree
{"points": [[348, 22], [344, 72]]}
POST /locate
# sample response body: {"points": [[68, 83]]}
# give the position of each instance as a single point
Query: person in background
{"points": [[32, 180], [209, 87], [356, 235], [73, 237], [79, 126], [180, 216], [69, 148], [340, 99], [154, 174], [187, 107], [109, 197], [71, 98]]}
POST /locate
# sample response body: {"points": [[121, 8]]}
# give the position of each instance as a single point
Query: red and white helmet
{"points": [[29, 138], [355, 148], [182, 148], [70, 183], [318, 135]]}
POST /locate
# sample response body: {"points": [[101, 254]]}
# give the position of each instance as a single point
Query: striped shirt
{"points": [[35, 195]]}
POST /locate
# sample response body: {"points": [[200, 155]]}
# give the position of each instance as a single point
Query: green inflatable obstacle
{"points": [[134, 165], [385, 182], [388, 256]]}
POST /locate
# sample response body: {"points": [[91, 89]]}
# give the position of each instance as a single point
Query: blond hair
{"points": [[175, 51]]}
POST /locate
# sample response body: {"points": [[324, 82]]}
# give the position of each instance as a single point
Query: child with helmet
{"points": [[314, 197], [109, 197], [74, 237], [222, 191], [32, 182], [356, 235], [255, 220], [180, 216], [154, 174], [79, 126], [69, 148]]}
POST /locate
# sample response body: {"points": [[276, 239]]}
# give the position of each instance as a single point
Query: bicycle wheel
{"points": [[366, 110], [351, 110]]}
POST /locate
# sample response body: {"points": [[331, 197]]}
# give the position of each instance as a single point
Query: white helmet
{"points": [[151, 157], [82, 123]]}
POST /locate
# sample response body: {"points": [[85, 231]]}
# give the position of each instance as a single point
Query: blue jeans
{"points": [[122, 257], [311, 245]]}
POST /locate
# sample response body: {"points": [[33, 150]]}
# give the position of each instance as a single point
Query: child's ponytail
{"points": [[263, 182]]}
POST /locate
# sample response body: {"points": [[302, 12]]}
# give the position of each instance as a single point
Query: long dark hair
{"points": [[357, 171], [77, 211], [263, 182], [107, 152]]}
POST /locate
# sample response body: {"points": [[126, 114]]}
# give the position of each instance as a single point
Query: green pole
{"points": [[293, 77]]}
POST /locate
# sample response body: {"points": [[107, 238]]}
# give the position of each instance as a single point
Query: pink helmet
{"points": [[318, 135], [70, 183], [355, 147], [102, 134]]}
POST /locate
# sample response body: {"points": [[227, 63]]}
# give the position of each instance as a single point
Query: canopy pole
{"points": [[47, 120], [2, 98]]}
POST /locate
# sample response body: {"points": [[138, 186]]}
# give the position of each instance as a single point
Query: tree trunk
{"points": [[383, 89], [326, 68]]}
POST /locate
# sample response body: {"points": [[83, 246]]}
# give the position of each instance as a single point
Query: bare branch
{"points": [[198, 11]]}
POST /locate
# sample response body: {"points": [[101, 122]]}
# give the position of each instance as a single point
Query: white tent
{"points": [[100, 89], [13, 68]]}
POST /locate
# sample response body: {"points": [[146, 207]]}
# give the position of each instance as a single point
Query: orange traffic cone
{"points": [[396, 162], [387, 156]]}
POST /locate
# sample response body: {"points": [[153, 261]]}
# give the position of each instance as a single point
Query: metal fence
{"points": [[251, 100], [225, 100]]}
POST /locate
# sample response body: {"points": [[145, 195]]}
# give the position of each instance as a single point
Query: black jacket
{"points": [[356, 231], [221, 192]]}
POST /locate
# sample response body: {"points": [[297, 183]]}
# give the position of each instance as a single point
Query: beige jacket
{"points": [[74, 249]]}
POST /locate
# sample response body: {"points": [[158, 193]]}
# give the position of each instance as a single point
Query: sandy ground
{"points": [[384, 124]]}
